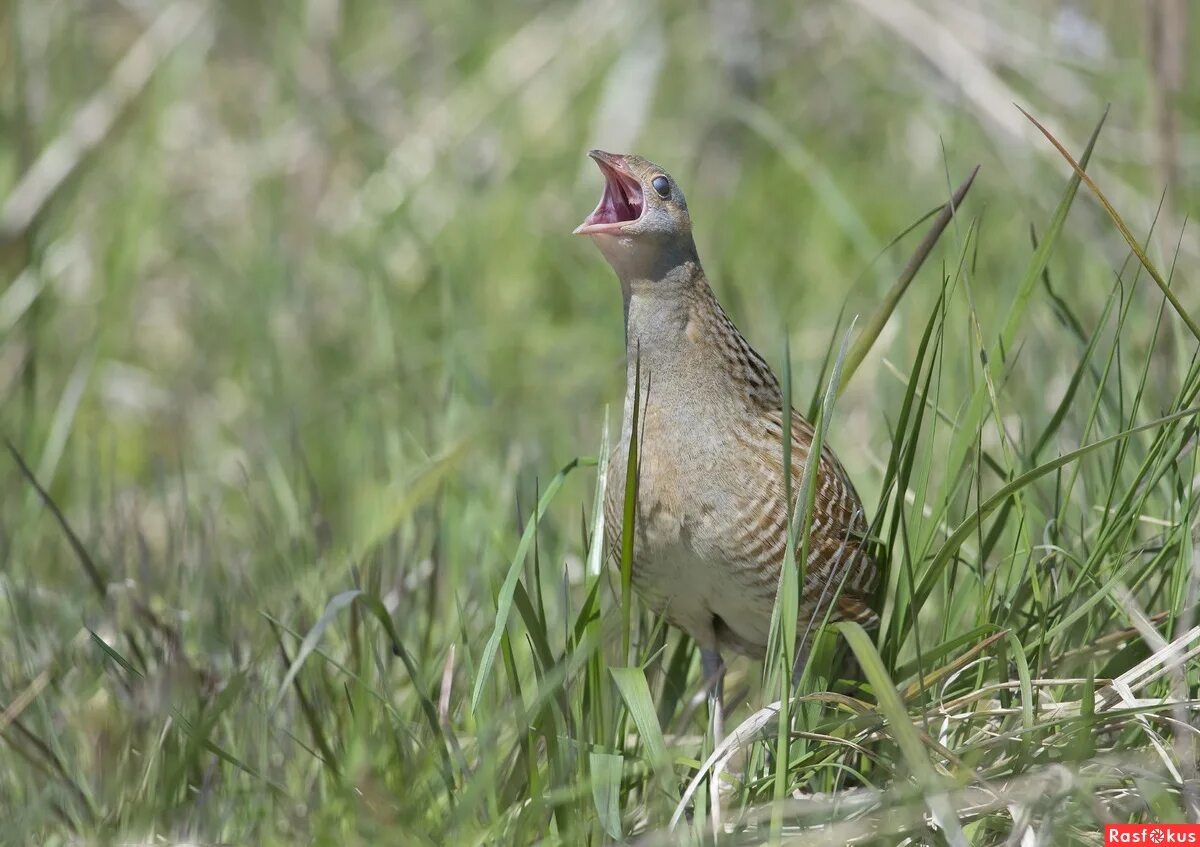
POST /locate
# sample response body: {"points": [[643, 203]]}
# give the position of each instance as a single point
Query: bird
{"points": [[711, 517]]}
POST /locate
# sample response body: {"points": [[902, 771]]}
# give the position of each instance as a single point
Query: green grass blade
{"points": [[505, 599], [596, 549], [629, 514], [964, 529], [1025, 679], [631, 683], [994, 357], [875, 324], [312, 639], [309, 713], [1188, 320], [903, 730], [605, 771]]}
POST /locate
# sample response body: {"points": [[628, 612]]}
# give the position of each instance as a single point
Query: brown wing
{"points": [[838, 564], [838, 573]]}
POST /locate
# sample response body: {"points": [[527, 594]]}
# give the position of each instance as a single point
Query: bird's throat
{"points": [[657, 310], [660, 330]]}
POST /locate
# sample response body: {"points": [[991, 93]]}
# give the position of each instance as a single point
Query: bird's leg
{"points": [[802, 654], [713, 669], [714, 681]]}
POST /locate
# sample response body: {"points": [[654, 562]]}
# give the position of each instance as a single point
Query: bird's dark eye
{"points": [[662, 185]]}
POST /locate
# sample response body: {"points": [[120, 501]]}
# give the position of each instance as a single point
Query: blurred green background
{"points": [[288, 293]]}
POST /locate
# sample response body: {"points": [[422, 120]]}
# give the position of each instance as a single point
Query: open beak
{"points": [[621, 202]]}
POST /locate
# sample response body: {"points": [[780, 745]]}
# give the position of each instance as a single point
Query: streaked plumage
{"points": [[711, 518]]}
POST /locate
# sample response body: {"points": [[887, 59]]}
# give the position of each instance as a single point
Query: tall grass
{"points": [[304, 386]]}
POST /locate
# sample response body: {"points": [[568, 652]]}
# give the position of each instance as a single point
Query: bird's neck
{"points": [[681, 348], [667, 300], [658, 309]]}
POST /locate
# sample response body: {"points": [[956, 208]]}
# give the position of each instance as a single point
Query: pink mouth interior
{"points": [[621, 201]]}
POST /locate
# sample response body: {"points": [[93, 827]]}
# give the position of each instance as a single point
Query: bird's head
{"points": [[641, 222]]}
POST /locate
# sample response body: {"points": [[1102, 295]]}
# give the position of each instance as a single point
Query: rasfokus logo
{"points": [[1151, 833]]}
